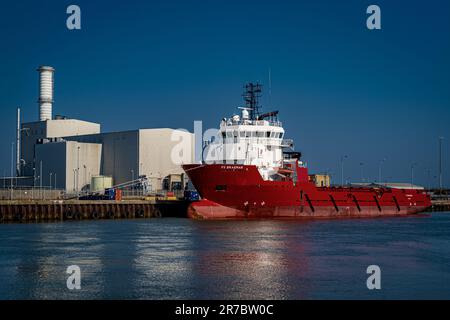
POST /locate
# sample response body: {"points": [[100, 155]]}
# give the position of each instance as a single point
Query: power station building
{"points": [[67, 154]]}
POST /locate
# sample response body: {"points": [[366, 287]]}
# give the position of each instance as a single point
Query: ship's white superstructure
{"points": [[249, 140]]}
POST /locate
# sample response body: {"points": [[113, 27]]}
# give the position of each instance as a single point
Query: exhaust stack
{"points": [[45, 92]]}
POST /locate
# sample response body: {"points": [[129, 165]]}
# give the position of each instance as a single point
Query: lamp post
{"points": [[361, 164], [12, 170], [132, 182], [342, 168], [12, 164], [51, 174], [85, 182], [412, 173], [379, 169], [440, 164], [78, 167], [40, 178], [74, 179]]}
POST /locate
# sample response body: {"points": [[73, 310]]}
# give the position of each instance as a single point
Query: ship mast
{"points": [[252, 93]]}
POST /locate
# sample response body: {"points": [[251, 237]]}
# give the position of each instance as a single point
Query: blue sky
{"points": [[340, 88]]}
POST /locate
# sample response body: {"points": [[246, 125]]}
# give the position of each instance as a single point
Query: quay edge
{"points": [[66, 210]]}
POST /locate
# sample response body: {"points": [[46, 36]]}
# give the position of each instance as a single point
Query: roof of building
{"points": [[392, 185]]}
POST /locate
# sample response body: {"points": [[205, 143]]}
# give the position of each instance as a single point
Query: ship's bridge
{"points": [[258, 131], [250, 142]]}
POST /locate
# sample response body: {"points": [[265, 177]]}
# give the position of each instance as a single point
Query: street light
{"points": [[74, 179], [361, 164], [132, 182], [85, 182], [40, 179], [440, 163], [12, 166], [40, 175], [78, 168], [379, 169], [412, 173], [342, 168]]}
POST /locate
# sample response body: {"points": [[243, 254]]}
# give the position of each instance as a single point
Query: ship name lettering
{"points": [[232, 167]]}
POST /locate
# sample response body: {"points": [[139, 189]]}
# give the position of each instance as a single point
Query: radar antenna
{"points": [[252, 93]]}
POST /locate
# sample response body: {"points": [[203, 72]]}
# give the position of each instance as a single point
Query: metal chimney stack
{"points": [[45, 92]]}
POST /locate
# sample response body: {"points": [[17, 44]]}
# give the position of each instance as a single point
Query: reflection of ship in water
{"points": [[249, 172], [184, 259], [257, 261]]}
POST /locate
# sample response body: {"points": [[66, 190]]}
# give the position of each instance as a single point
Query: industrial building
{"points": [[68, 154], [320, 180]]}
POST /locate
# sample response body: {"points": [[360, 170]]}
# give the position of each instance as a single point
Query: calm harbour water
{"points": [[183, 259]]}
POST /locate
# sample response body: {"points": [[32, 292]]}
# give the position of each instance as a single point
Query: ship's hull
{"points": [[206, 209], [239, 192]]}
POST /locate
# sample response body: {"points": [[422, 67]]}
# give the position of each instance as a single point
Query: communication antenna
{"points": [[270, 87], [252, 93]]}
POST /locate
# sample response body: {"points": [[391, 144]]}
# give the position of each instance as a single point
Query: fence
{"points": [[30, 194], [126, 193], [53, 194]]}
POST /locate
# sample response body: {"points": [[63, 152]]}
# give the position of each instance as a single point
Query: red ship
{"points": [[251, 172]]}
